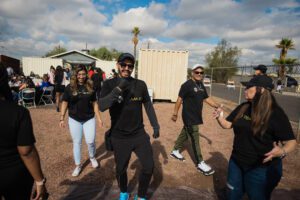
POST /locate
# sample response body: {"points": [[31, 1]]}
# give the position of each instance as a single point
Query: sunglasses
{"points": [[123, 65], [196, 72]]}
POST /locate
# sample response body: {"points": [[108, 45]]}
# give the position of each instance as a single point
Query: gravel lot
{"points": [[172, 179]]}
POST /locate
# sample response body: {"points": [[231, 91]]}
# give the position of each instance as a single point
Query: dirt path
{"points": [[179, 180]]}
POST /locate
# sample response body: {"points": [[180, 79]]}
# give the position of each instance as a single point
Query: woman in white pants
{"points": [[80, 99]]}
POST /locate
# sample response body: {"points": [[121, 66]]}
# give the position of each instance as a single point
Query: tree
{"points": [[56, 50], [285, 44], [223, 55], [135, 31], [105, 54]]}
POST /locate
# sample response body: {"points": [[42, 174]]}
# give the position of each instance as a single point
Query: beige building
{"points": [[164, 71]]}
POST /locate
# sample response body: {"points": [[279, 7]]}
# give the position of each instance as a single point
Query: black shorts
{"points": [[59, 88]]}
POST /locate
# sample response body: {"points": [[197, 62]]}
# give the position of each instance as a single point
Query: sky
{"points": [[34, 27]]}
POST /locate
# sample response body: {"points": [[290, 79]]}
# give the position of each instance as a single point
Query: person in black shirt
{"points": [[124, 96], [260, 70], [19, 160], [80, 99], [59, 81], [97, 79], [262, 137], [192, 94]]}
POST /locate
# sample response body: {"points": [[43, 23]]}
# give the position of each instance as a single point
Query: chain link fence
{"points": [[286, 92]]}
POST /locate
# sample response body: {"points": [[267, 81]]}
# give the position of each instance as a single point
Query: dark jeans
{"points": [[258, 183], [123, 148], [193, 132]]}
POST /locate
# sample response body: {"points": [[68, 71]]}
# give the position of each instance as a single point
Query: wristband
{"points": [[283, 154], [40, 183]]}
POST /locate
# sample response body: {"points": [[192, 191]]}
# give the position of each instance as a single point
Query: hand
{"points": [[123, 84], [218, 112], [275, 152], [156, 133], [62, 124], [40, 192], [174, 118]]}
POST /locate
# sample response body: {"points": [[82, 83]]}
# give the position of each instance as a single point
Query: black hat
{"points": [[262, 68], [125, 56], [260, 81]]}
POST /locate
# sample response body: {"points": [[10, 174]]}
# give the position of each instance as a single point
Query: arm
{"points": [[176, 108], [211, 102], [108, 100], [281, 152], [64, 107], [97, 113], [152, 117], [218, 114], [31, 159]]}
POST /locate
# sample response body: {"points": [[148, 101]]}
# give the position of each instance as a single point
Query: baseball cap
{"points": [[262, 68], [125, 56], [195, 66], [260, 81]]}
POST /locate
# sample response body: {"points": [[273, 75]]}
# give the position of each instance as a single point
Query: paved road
{"points": [[290, 104]]}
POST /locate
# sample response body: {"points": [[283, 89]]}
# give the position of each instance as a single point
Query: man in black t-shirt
{"points": [[124, 96], [191, 95]]}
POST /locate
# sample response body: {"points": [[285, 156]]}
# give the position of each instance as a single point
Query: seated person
{"points": [[45, 82]]}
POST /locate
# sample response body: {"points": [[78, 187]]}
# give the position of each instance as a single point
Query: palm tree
{"points": [[135, 31], [285, 44]]}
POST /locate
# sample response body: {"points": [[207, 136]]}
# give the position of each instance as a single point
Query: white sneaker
{"points": [[205, 168], [76, 171], [94, 162], [175, 154]]}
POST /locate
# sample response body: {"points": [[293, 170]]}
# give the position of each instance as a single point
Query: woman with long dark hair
{"points": [[80, 99], [59, 81], [19, 160], [263, 136]]}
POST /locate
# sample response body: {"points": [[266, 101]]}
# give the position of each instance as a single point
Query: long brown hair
{"points": [[263, 104], [74, 82]]}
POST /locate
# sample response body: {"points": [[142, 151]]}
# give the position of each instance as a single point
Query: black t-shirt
{"points": [[192, 94], [248, 150], [127, 116], [16, 130], [80, 105]]}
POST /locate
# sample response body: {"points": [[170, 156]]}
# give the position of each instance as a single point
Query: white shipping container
{"points": [[39, 66], [164, 71], [106, 66]]}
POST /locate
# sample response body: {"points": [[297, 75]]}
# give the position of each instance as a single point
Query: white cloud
{"points": [[33, 27], [149, 20]]}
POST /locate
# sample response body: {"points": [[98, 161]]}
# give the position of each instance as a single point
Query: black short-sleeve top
{"points": [[249, 149], [80, 103], [16, 130]]}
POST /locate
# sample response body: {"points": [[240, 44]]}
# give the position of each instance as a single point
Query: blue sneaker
{"points": [[124, 196], [138, 198]]}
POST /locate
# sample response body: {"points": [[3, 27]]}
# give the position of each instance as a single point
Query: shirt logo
{"points": [[198, 89], [136, 98], [246, 117]]}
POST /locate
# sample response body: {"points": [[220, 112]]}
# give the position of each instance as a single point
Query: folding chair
{"points": [[46, 97], [28, 97]]}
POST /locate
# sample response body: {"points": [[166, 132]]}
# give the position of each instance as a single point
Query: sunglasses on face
{"points": [[197, 72], [123, 65]]}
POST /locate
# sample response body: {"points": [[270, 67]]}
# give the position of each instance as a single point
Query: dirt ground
{"points": [[172, 179]]}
